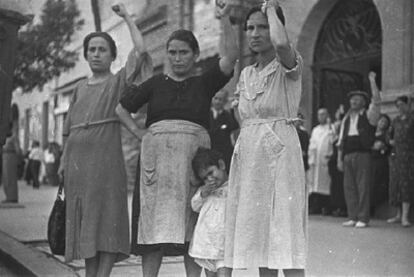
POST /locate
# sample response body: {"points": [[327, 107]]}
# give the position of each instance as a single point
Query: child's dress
{"points": [[207, 245]]}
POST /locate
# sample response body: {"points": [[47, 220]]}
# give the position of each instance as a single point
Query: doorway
{"points": [[348, 47]]}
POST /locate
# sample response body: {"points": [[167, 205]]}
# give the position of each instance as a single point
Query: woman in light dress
{"points": [[266, 209]]}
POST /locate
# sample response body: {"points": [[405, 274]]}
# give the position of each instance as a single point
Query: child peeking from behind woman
{"points": [[207, 245]]}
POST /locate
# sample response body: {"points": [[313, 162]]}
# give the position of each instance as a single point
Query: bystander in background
{"points": [[380, 169], [402, 162], [222, 125], [319, 153], [10, 153]]}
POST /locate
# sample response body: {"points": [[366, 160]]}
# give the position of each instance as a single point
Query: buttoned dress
{"points": [[266, 213]]}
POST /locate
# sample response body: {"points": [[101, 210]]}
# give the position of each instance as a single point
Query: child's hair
{"points": [[204, 158]]}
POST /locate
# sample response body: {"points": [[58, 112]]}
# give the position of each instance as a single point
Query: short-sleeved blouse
{"points": [[169, 99]]}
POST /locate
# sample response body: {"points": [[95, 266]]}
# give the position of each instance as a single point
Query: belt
{"points": [[86, 125], [257, 121]]}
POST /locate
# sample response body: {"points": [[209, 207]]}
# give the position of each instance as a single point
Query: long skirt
{"points": [[167, 182]]}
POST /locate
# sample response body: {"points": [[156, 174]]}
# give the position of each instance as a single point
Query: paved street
{"points": [[381, 250]]}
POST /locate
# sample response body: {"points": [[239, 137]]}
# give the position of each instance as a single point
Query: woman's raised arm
{"points": [[230, 50], [136, 35], [278, 35]]}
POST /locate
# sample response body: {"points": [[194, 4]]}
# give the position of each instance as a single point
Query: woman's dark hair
{"points": [[279, 13], [105, 36], [383, 115], [402, 99], [204, 158], [186, 36]]}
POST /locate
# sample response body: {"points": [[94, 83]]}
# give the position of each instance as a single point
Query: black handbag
{"points": [[56, 225]]}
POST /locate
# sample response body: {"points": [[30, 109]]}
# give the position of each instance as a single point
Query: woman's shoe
{"points": [[405, 223], [395, 219], [349, 223]]}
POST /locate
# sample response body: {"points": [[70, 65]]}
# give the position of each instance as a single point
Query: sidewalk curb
{"points": [[31, 259]]}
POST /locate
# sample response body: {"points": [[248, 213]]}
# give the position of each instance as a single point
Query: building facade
{"points": [[340, 42], [42, 113]]}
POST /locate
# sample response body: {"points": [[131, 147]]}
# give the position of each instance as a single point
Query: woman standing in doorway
{"points": [[95, 179], [266, 205], [177, 121]]}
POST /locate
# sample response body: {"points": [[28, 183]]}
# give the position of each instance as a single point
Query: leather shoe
{"points": [[361, 224], [349, 223]]}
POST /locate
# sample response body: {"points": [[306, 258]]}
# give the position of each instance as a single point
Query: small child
{"points": [[207, 245]]}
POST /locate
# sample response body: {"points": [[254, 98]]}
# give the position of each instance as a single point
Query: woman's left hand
{"points": [[267, 4], [222, 9], [120, 9]]}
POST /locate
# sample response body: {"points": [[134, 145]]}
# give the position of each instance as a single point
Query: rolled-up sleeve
{"points": [[134, 97], [296, 71], [138, 67]]}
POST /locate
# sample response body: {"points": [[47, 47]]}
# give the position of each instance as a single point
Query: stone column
{"points": [[397, 19]]}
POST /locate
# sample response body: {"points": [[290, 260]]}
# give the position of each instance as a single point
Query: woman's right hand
{"points": [[120, 10], [269, 4]]}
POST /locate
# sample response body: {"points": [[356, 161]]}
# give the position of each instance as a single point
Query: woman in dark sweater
{"points": [[178, 120]]}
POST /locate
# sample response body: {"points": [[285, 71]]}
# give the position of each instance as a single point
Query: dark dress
{"points": [[95, 177], [380, 171], [220, 131], [402, 161]]}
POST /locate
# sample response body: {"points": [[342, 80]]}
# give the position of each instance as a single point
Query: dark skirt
{"points": [[9, 176], [401, 188], [380, 179]]}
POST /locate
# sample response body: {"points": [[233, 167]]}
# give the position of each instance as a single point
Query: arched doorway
{"points": [[348, 46]]}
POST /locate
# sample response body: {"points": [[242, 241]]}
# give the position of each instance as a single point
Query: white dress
{"points": [[266, 214], [320, 150], [207, 245]]}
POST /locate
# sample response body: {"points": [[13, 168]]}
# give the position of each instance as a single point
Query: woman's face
{"points": [[181, 57], [99, 55], [257, 32], [383, 123]]}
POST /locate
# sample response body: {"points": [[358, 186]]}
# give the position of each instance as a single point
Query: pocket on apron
{"points": [[272, 143], [148, 161]]}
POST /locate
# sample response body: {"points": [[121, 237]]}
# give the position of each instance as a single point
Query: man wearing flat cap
{"points": [[356, 137]]}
